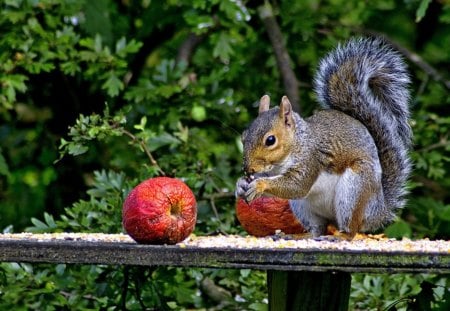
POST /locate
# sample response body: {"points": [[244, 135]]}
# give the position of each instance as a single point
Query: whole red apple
{"points": [[264, 215], [160, 210]]}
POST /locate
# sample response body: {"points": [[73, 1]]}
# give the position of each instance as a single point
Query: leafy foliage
{"points": [[400, 292], [166, 87]]}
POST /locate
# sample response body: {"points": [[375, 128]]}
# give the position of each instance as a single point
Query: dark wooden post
{"points": [[305, 290]]}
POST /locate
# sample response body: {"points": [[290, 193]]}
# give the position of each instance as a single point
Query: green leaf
{"points": [[163, 139], [443, 212], [423, 6], [77, 149], [17, 82], [87, 43], [172, 305], [223, 49], [141, 125], [133, 46], [113, 85], [4, 170], [39, 224], [398, 230], [12, 3], [258, 306], [60, 269], [97, 43], [49, 220], [70, 68], [121, 44]]}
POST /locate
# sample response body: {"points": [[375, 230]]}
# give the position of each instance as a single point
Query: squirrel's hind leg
{"points": [[358, 187], [303, 211], [377, 214]]}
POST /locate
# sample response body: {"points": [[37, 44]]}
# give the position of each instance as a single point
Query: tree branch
{"points": [[414, 58], [187, 47], [426, 67], [442, 143], [216, 293], [282, 56], [146, 150]]}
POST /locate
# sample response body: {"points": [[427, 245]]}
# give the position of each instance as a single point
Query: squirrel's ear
{"points": [[286, 111], [264, 104]]}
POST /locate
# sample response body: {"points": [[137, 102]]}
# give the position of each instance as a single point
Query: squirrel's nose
{"points": [[248, 170], [247, 167]]}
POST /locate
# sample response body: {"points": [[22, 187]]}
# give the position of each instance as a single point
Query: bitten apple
{"points": [[160, 210], [265, 215]]}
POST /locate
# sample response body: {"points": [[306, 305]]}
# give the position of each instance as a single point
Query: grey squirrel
{"points": [[348, 163]]}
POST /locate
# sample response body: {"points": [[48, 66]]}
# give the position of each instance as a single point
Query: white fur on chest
{"points": [[322, 194]]}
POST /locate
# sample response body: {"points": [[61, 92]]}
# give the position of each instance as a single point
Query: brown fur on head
{"points": [[268, 140]]}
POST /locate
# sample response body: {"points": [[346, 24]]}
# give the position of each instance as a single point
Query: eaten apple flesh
{"points": [[265, 215]]}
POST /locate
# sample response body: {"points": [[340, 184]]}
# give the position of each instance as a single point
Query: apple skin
{"points": [[160, 210], [264, 215]]}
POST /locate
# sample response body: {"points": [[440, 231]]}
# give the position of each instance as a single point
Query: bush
{"points": [[152, 87]]}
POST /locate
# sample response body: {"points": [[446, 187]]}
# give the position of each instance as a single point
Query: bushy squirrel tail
{"points": [[368, 80]]}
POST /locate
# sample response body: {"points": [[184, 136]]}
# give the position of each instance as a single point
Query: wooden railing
{"points": [[302, 274]]}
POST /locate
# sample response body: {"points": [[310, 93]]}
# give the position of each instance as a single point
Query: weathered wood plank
{"points": [[195, 255]]}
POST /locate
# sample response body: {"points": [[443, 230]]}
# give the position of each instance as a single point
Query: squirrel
{"points": [[348, 163]]}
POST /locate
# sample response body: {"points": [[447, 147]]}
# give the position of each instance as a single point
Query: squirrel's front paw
{"points": [[255, 189], [241, 188], [250, 190]]}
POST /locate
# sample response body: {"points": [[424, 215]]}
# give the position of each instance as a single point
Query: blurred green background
{"points": [[89, 89]]}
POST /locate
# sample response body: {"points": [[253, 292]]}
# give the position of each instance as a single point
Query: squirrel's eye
{"points": [[270, 140]]}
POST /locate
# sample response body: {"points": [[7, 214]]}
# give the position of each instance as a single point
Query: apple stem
{"points": [[175, 209]]}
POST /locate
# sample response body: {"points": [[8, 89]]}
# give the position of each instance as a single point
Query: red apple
{"points": [[160, 210], [265, 215]]}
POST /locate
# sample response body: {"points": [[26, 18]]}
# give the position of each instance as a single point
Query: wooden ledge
{"points": [[368, 255]]}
